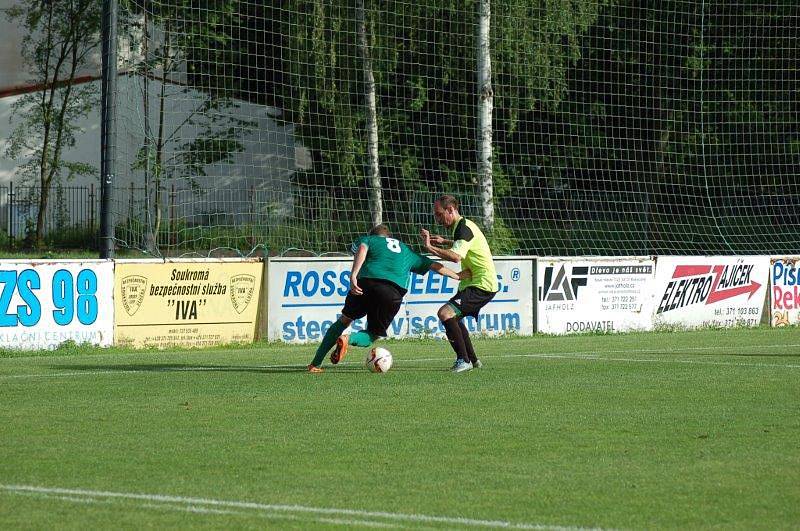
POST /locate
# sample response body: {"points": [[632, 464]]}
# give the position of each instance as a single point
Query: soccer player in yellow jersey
{"points": [[467, 246]]}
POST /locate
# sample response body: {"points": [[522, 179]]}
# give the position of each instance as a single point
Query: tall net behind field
{"points": [[565, 128]]}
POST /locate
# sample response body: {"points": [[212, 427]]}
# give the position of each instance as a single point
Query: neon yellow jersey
{"points": [[470, 244]]}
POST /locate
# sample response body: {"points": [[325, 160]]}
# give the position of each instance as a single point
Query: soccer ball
{"points": [[378, 360]]}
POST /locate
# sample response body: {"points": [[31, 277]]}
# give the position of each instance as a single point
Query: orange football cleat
{"points": [[315, 369], [340, 351]]}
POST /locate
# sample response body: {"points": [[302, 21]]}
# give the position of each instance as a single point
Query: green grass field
{"points": [[663, 430]]}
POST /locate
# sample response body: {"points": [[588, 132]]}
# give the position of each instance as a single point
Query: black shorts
{"points": [[380, 303], [470, 300]]}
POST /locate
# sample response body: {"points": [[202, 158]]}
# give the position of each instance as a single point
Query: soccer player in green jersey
{"points": [[379, 279], [468, 246]]}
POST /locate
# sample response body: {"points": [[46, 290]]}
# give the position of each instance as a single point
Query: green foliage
{"points": [[618, 126], [59, 40], [55, 241], [534, 44], [45, 254], [502, 240], [424, 67], [184, 53], [72, 238]]}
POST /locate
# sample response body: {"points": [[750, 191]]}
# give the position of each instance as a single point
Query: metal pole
{"points": [[108, 127], [173, 238], [92, 207], [11, 212]]}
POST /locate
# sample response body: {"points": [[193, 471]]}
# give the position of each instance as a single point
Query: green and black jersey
{"points": [[390, 259], [470, 244]]}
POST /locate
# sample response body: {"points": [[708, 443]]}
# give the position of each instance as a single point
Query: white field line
{"points": [[264, 514], [75, 499], [582, 356], [191, 509], [206, 510], [367, 523], [589, 357], [322, 514]]}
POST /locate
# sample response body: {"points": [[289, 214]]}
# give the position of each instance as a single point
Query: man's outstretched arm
{"points": [[445, 254], [446, 271]]}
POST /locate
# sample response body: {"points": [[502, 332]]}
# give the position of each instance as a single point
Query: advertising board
{"points": [[45, 303], [579, 295], [307, 294], [784, 297], [193, 303], [719, 291]]}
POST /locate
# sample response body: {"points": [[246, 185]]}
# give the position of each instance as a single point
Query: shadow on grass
{"points": [[264, 369]]}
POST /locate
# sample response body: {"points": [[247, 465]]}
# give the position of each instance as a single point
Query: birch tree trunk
{"points": [[485, 105], [375, 193]]}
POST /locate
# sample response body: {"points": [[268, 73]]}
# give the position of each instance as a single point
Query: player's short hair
{"points": [[380, 230], [447, 201]]}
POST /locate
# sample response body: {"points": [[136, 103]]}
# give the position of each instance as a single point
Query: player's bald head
{"points": [[380, 230]]}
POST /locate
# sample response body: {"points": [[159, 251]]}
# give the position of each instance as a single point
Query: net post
{"points": [[108, 127]]}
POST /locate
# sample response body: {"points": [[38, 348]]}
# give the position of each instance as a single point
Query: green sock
{"points": [[362, 339], [328, 342]]}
